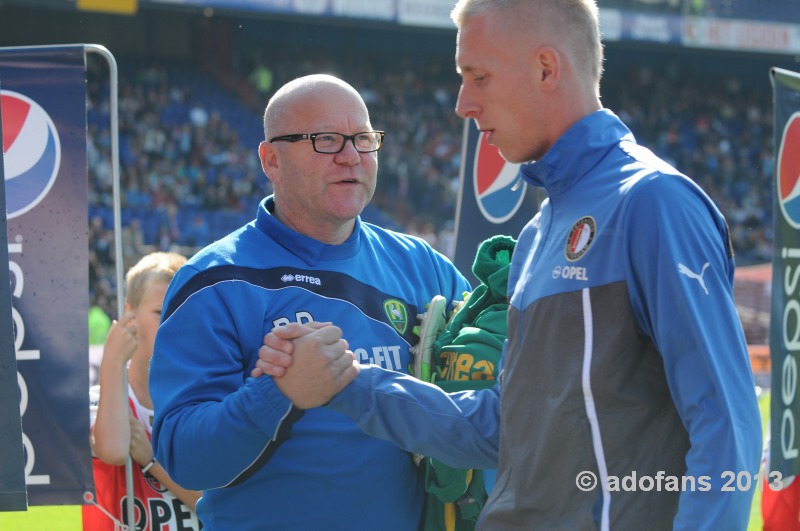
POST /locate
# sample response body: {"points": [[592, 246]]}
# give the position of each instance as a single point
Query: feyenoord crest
{"points": [[580, 238], [397, 313]]}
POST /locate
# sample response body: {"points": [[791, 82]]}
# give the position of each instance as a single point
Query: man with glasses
{"points": [[260, 459]]}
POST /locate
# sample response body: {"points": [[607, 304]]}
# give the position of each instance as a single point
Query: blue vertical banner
{"points": [[13, 495], [784, 336], [43, 101], [492, 198]]}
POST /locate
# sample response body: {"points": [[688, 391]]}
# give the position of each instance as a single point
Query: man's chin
{"points": [[514, 158], [347, 212]]}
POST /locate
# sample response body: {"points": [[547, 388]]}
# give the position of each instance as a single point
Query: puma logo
{"points": [[691, 274]]}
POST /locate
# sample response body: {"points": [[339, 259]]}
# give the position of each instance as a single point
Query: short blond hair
{"points": [[153, 267], [577, 20]]}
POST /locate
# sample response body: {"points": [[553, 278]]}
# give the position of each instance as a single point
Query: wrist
{"points": [[146, 467], [113, 365]]}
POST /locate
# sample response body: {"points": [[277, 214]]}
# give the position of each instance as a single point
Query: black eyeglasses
{"points": [[329, 143]]}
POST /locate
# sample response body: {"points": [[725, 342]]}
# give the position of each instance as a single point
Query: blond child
{"points": [[121, 418]]}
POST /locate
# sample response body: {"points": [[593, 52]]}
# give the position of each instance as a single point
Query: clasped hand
{"points": [[310, 362]]}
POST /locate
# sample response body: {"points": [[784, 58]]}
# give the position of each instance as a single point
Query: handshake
{"points": [[310, 362]]}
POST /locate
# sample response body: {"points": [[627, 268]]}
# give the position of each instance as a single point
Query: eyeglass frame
{"points": [[313, 136]]}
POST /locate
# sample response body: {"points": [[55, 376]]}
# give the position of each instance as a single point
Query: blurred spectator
{"points": [[133, 240], [198, 116], [101, 240], [261, 78], [198, 234], [99, 323]]}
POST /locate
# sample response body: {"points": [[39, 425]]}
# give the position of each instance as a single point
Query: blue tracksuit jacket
{"points": [[260, 463]]}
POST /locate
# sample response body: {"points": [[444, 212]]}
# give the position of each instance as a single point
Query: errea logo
{"points": [[301, 278]]}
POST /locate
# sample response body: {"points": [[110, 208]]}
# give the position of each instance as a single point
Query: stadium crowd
{"points": [[189, 171]]}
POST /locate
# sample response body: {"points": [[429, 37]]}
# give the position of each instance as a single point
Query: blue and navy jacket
{"points": [[625, 364], [261, 463]]}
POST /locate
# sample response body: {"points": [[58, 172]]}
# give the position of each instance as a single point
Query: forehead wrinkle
{"points": [[335, 115]]}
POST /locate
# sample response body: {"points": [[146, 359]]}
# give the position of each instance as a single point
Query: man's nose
{"points": [[349, 154], [466, 107]]}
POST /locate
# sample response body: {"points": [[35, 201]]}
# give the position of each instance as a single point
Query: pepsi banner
{"points": [[784, 335], [43, 101], [13, 496], [492, 198]]}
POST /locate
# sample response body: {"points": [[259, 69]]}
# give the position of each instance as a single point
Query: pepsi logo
{"points": [[499, 190], [31, 152], [788, 174]]}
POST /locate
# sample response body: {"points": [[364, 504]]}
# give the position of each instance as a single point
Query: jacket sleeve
{"points": [[682, 293], [459, 429], [212, 422]]}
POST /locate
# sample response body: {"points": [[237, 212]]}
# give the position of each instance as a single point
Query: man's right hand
{"points": [[275, 356], [121, 342], [322, 365]]}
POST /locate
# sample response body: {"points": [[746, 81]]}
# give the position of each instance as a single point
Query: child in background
{"points": [[121, 418]]}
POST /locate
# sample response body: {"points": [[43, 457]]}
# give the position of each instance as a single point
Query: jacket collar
{"points": [[307, 249], [576, 152]]}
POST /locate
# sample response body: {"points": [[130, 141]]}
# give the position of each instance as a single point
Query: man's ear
{"points": [[548, 67], [269, 158]]}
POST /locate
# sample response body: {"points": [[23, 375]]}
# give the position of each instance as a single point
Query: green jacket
{"points": [[466, 356]]}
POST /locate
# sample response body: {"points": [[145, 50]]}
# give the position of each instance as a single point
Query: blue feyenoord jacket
{"points": [[260, 463], [625, 364]]}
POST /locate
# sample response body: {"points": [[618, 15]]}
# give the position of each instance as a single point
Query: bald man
{"points": [[262, 458]]}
